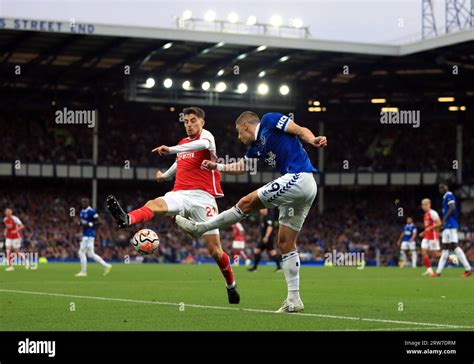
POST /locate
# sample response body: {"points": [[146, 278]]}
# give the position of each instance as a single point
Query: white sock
{"points": [[291, 268], [429, 270], [462, 258], [442, 261], [83, 258], [404, 257], [99, 260], [226, 218], [413, 259]]}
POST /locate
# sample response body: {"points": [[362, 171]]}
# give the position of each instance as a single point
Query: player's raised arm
{"points": [[235, 168], [306, 135], [193, 146]]}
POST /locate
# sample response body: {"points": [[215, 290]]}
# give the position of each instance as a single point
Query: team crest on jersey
{"points": [[271, 159]]}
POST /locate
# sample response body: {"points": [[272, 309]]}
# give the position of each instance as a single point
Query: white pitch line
{"points": [[127, 300]]}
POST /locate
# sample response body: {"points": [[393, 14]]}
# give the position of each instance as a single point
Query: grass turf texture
{"points": [[372, 293]]}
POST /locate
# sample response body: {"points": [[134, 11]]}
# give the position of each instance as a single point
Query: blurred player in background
{"points": [[430, 243], [266, 241], [450, 232], [407, 243], [89, 219], [277, 139], [238, 244], [194, 192], [13, 226]]}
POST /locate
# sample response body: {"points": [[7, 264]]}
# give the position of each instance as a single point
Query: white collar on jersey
{"points": [[256, 131]]}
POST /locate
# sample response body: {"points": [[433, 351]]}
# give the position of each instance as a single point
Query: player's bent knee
{"points": [[158, 206], [249, 203]]}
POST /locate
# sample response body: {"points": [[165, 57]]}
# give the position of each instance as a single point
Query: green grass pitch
{"points": [[148, 297]]}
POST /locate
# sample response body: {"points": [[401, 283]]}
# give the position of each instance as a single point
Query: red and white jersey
{"points": [[190, 176], [238, 231], [429, 220], [12, 223]]}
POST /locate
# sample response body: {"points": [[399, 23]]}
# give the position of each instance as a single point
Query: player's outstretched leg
{"points": [[142, 214], [120, 216], [226, 218]]}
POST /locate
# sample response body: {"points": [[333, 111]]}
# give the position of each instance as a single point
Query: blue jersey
{"points": [[88, 215], [452, 220], [408, 231], [279, 149]]}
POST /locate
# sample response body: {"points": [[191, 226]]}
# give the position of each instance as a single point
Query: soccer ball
{"points": [[146, 241]]}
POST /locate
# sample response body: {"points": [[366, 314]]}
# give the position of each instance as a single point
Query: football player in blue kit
{"points": [[89, 219], [276, 139], [407, 243], [449, 237]]}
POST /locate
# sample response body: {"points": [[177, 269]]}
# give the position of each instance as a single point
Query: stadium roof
{"points": [[93, 64]]}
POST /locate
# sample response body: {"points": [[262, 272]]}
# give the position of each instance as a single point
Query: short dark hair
{"points": [[249, 117], [195, 110]]}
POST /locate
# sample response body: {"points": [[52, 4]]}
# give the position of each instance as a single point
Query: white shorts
{"points": [[13, 243], [196, 204], [238, 244], [449, 236], [293, 194], [430, 244], [87, 244], [408, 245]]}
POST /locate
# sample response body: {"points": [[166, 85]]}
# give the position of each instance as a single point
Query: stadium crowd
{"points": [[129, 133], [365, 221]]}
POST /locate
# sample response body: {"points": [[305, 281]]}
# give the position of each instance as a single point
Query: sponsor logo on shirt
{"points": [[185, 155], [281, 122]]}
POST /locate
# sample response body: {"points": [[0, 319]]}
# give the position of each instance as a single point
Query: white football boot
{"points": [[291, 307], [188, 226]]}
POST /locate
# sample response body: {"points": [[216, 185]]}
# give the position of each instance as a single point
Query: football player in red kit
{"points": [[13, 226], [430, 247], [193, 194], [238, 244]]}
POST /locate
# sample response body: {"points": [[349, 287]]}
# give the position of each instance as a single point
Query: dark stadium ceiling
{"points": [[92, 68]]}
